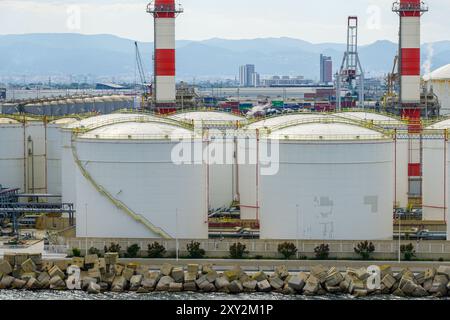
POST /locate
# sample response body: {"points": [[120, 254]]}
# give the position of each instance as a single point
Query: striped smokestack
{"points": [[410, 12], [164, 13]]}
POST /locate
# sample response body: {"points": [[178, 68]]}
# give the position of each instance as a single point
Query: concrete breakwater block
{"points": [[98, 276]]}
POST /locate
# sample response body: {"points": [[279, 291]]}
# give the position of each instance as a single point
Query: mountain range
{"points": [[111, 56]]}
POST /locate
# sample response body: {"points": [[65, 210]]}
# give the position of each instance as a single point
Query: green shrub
{"points": [[287, 249], [93, 250], [155, 250], [365, 249], [114, 247], [133, 251], [238, 250], [322, 252], [408, 251], [195, 252], [75, 252]]}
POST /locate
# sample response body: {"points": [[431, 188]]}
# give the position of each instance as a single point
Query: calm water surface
{"points": [[80, 295]]}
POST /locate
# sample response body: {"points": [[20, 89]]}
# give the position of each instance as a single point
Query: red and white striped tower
{"points": [[164, 13], [410, 12]]}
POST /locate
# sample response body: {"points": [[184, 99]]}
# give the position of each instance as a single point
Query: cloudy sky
{"points": [[311, 20]]}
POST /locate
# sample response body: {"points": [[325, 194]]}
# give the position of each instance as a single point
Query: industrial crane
{"points": [[145, 87]]}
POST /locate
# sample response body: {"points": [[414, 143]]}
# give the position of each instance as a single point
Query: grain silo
{"points": [[128, 185], [435, 172], [322, 167]]}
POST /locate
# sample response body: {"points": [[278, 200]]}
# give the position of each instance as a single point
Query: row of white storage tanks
{"points": [[62, 107], [129, 175]]}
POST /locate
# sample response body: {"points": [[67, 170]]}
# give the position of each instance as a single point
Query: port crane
{"points": [[145, 87], [350, 78]]}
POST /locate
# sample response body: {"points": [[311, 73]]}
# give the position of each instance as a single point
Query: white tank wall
{"points": [[143, 177], [401, 172], [343, 191], [54, 155], [37, 131], [434, 173], [68, 169], [11, 155], [247, 178], [442, 90]]}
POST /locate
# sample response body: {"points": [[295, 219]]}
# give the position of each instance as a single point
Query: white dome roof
{"points": [[326, 131], [138, 130], [370, 116], [279, 120], [8, 121], [445, 124], [443, 73], [64, 121], [207, 116], [109, 118]]}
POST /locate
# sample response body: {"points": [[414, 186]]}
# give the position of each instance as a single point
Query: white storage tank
{"points": [[334, 181], [401, 148], [247, 177], [435, 173], [68, 165], [12, 153], [439, 79], [127, 185], [54, 154]]}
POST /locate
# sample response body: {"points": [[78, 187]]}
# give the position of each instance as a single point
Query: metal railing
{"points": [[137, 118]]}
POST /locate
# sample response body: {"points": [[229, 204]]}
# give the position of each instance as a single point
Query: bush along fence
{"points": [[363, 250], [96, 275]]}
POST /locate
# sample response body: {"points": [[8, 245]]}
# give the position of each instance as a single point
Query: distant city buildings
{"points": [[326, 69], [286, 81], [248, 77]]}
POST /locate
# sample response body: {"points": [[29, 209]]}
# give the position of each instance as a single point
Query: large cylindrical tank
{"points": [[402, 182], [247, 168], [100, 105], [329, 180], [439, 80], [435, 173], [12, 153], [128, 185], [68, 165], [54, 154]]}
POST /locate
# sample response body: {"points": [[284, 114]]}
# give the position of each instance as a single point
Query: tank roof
{"points": [[279, 120], [326, 131], [442, 73], [207, 116], [101, 119], [367, 116], [138, 131], [8, 121], [445, 124]]}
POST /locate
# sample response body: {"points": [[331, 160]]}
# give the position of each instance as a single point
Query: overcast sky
{"points": [[311, 20]]}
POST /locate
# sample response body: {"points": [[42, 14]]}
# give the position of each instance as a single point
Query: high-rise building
{"points": [[246, 75], [256, 79], [326, 69]]}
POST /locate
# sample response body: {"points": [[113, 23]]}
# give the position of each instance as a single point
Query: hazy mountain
{"points": [[106, 55]]}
